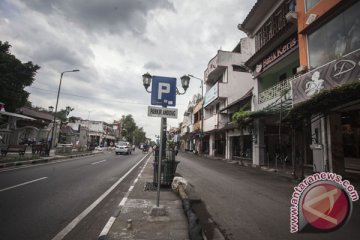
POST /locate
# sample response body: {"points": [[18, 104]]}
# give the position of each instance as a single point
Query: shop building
{"points": [[273, 26], [226, 80], [329, 39], [186, 142]]}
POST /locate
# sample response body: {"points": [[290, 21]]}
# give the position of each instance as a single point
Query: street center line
{"points": [[82, 215], [22, 184], [98, 162]]}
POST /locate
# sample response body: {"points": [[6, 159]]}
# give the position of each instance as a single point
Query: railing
{"points": [[6, 136], [275, 91]]}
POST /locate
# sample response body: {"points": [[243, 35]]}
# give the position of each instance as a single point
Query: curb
{"points": [[42, 160]]}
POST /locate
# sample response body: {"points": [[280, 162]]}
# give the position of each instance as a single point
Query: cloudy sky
{"points": [[114, 42]]}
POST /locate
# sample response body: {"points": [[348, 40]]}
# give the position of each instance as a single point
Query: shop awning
{"points": [[240, 101], [16, 115]]}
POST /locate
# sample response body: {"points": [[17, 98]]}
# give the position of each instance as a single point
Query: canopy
{"points": [[16, 115]]}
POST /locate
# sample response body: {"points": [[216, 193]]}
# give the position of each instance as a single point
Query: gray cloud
{"points": [[152, 66], [113, 42], [110, 16]]}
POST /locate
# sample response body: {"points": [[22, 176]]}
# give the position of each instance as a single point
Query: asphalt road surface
{"points": [[249, 203], [39, 202]]}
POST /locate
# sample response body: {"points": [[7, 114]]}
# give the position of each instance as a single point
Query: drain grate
{"points": [[150, 186]]}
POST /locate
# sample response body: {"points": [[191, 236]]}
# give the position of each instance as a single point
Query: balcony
{"points": [[273, 93], [215, 122], [220, 62], [197, 126]]}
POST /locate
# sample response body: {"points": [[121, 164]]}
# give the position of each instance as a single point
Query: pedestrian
{"points": [[176, 150]]}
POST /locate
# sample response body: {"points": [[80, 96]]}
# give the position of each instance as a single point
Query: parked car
{"points": [[98, 148], [123, 148]]}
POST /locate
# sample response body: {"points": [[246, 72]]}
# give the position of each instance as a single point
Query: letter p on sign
{"points": [[163, 88]]}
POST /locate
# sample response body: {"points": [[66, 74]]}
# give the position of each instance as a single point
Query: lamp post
{"points": [[57, 101], [185, 81], [202, 112]]}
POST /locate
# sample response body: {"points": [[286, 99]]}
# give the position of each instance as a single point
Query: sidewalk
{"points": [[352, 176], [138, 217]]}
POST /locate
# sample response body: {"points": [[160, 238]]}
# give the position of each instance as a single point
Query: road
{"points": [[249, 203], [39, 202]]}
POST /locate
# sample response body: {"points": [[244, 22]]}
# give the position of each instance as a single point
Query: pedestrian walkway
{"points": [[139, 218], [286, 171]]}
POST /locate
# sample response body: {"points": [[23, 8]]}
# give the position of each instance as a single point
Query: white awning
{"points": [[16, 115]]}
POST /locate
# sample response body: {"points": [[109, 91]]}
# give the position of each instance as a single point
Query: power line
{"points": [[87, 97]]}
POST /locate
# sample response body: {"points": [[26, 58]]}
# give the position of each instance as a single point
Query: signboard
{"points": [[338, 72], [280, 51], [162, 112], [211, 95], [163, 91]]}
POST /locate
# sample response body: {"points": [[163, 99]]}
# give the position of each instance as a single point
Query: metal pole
{"points": [[57, 101], [202, 120], [159, 161]]}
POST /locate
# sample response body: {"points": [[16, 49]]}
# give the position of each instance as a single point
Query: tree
{"points": [[14, 77], [139, 136], [128, 127]]}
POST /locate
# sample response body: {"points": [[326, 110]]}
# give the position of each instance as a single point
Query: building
{"points": [[99, 133], [274, 64], [226, 79], [28, 125], [329, 40], [186, 140], [305, 110]]}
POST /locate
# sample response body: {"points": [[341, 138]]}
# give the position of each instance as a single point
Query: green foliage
{"points": [[131, 131], [139, 136], [242, 114], [14, 77]]}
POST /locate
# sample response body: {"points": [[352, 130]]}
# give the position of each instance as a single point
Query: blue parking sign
{"points": [[163, 91]]}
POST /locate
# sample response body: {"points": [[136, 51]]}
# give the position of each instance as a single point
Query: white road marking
{"points": [[107, 227], [22, 184], [112, 219], [98, 162], [82, 215]]}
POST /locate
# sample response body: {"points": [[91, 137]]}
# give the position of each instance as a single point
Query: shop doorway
{"points": [[351, 139]]}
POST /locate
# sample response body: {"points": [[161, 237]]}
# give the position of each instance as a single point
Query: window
{"points": [[217, 107], [339, 36], [310, 4]]}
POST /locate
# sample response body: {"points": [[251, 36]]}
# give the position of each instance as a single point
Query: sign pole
{"points": [[159, 161]]}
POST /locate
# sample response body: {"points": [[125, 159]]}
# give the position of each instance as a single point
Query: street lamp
{"points": [[185, 81], [202, 111], [57, 101]]}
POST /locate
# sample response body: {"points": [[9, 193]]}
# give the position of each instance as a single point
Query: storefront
{"points": [[330, 94]]}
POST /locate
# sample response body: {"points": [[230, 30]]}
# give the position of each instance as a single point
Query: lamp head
{"points": [[185, 81], [146, 80], [68, 110]]}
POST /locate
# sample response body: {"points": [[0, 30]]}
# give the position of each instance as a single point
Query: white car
{"points": [[98, 148], [123, 148]]}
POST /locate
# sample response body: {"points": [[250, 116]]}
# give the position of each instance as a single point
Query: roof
{"points": [[256, 14], [15, 115], [36, 114]]}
